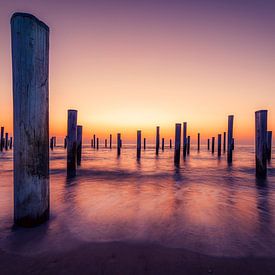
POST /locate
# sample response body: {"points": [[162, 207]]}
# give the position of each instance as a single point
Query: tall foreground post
{"points": [[118, 143], [269, 145], [138, 144], [177, 143], [261, 142], [72, 143], [184, 141], [157, 141], [219, 144], [30, 64], [229, 138], [2, 139], [79, 144]]}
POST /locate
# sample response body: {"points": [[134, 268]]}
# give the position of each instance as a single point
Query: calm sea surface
{"points": [[204, 206]]}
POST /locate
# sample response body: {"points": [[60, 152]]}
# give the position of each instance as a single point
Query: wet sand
{"points": [[133, 258]]}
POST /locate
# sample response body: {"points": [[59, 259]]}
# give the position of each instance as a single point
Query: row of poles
{"points": [[5, 141], [30, 65]]}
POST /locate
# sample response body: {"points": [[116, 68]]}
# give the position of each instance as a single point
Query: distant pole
{"points": [[138, 144], [10, 143], [219, 145], [97, 143], [184, 142], [144, 143], [51, 143], [110, 141], [6, 141], [157, 141], [213, 145], [229, 138], [118, 143], [269, 145], [105, 143], [224, 142], [72, 143], [94, 142], [208, 144], [199, 141], [65, 142], [79, 144], [177, 143], [188, 145], [30, 64], [2, 139], [162, 144], [261, 143], [171, 142]]}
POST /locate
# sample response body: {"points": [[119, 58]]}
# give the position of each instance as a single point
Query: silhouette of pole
{"points": [[110, 141], [30, 64], [10, 143], [162, 144], [261, 143], [6, 141], [118, 143], [79, 144], [269, 145], [219, 144], [72, 143], [157, 141], [138, 144], [224, 142], [171, 142], [144, 143], [97, 143], [188, 145], [213, 145], [199, 141], [184, 143], [94, 142], [105, 143], [2, 139], [177, 143], [229, 138], [65, 142], [51, 143], [208, 144]]}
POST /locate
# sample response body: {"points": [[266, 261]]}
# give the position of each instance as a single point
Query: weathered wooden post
{"points": [[199, 141], [177, 143], [2, 139], [118, 143], [208, 144], [79, 144], [171, 142], [65, 142], [188, 145], [269, 145], [105, 143], [94, 142], [157, 141], [224, 142], [97, 143], [138, 144], [110, 141], [213, 145], [72, 143], [30, 65], [51, 143], [144, 143], [261, 143], [184, 141], [219, 144], [229, 138], [10, 143], [162, 144], [6, 141]]}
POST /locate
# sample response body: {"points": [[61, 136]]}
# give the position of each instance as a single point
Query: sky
{"points": [[133, 65]]}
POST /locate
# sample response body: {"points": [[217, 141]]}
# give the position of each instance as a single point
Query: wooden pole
{"points": [[177, 143], [208, 144], [171, 142], [2, 139], [65, 142], [144, 143], [269, 145], [184, 142], [79, 144], [118, 143], [213, 145], [224, 142], [110, 141], [188, 145], [105, 143], [162, 144], [97, 143], [54, 141], [261, 143], [72, 143], [199, 141], [10, 143], [6, 141], [138, 144], [30, 64], [219, 144], [157, 141], [51, 143], [94, 142], [229, 138]]}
